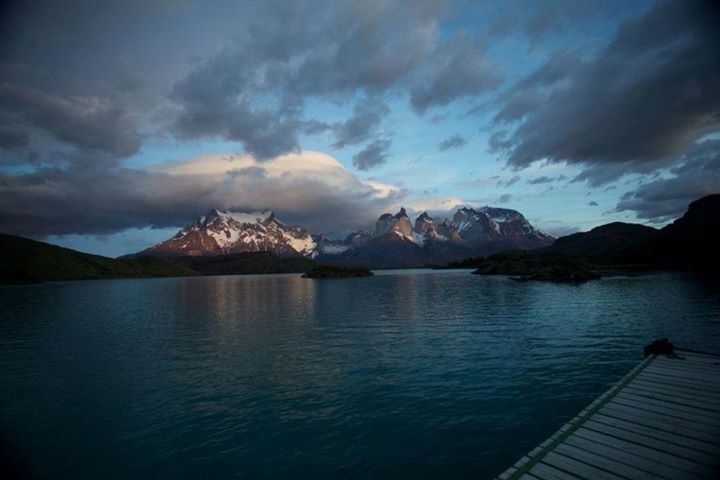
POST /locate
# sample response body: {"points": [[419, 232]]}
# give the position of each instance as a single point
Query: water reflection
{"points": [[421, 374]]}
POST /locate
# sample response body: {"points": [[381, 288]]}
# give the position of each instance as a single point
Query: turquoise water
{"points": [[411, 374]]}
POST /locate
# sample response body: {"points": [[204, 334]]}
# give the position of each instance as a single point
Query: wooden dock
{"points": [[662, 420]]}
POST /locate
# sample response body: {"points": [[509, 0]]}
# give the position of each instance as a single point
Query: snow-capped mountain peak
{"points": [[223, 232], [395, 240], [492, 223]]}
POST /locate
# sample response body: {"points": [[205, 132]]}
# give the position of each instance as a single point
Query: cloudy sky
{"points": [[122, 121]]}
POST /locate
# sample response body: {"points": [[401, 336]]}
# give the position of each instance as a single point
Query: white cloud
{"points": [[310, 188], [434, 204]]}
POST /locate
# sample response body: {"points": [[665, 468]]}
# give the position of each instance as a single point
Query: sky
{"points": [[122, 121]]}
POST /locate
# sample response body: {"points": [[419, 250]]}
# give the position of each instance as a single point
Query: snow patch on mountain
{"points": [[225, 232], [395, 237], [303, 244], [243, 218]]}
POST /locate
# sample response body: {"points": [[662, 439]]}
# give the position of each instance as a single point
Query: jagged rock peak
{"points": [[398, 224], [423, 223]]}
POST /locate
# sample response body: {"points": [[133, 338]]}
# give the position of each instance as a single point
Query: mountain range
{"points": [[395, 242], [209, 246], [690, 243]]}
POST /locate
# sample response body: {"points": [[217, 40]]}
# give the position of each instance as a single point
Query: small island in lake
{"points": [[334, 271], [524, 267]]}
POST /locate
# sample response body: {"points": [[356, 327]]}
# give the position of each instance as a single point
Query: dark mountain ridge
{"points": [[29, 261], [613, 242], [690, 243]]}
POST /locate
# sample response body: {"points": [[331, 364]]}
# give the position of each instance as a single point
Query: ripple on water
{"points": [[415, 374]]}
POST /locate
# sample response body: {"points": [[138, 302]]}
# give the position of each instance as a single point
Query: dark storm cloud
{"points": [[558, 67], [498, 142], [538, 24], [452, 142], [92, 77], [83, 85], [60, 201], [364, 122], [292, 56], [516, 106], [593, 204], [504, 198], [635, 106], [538, 21], [529, 94], [89, 124], [502, 25], [75, 200], [372, 155], [374, 47], [11, 140], [665, 198], [508, 182], [545, 179], [264, 133], [62, 78], [459, 68], [366, 45]]}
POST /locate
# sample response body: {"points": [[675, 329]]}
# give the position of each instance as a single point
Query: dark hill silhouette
{"points": [[690, 243], [613, 241], [28, 261]]}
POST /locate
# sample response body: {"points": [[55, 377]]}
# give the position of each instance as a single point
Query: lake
{"points": [[413, 374]]}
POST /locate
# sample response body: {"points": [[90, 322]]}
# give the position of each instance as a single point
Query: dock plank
{"points": [[546, 472], [672, 408], [674, 398], [684, 364], [696, 390], [577, 467], [664, 424], [679, 440], [666, 464], [660, 421], [667, 408], [595, 458], [656, 443], [708, 378], [691, 384], [710, 357]]}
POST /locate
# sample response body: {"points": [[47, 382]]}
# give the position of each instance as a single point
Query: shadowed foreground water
{"points": [[405, 374]]}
